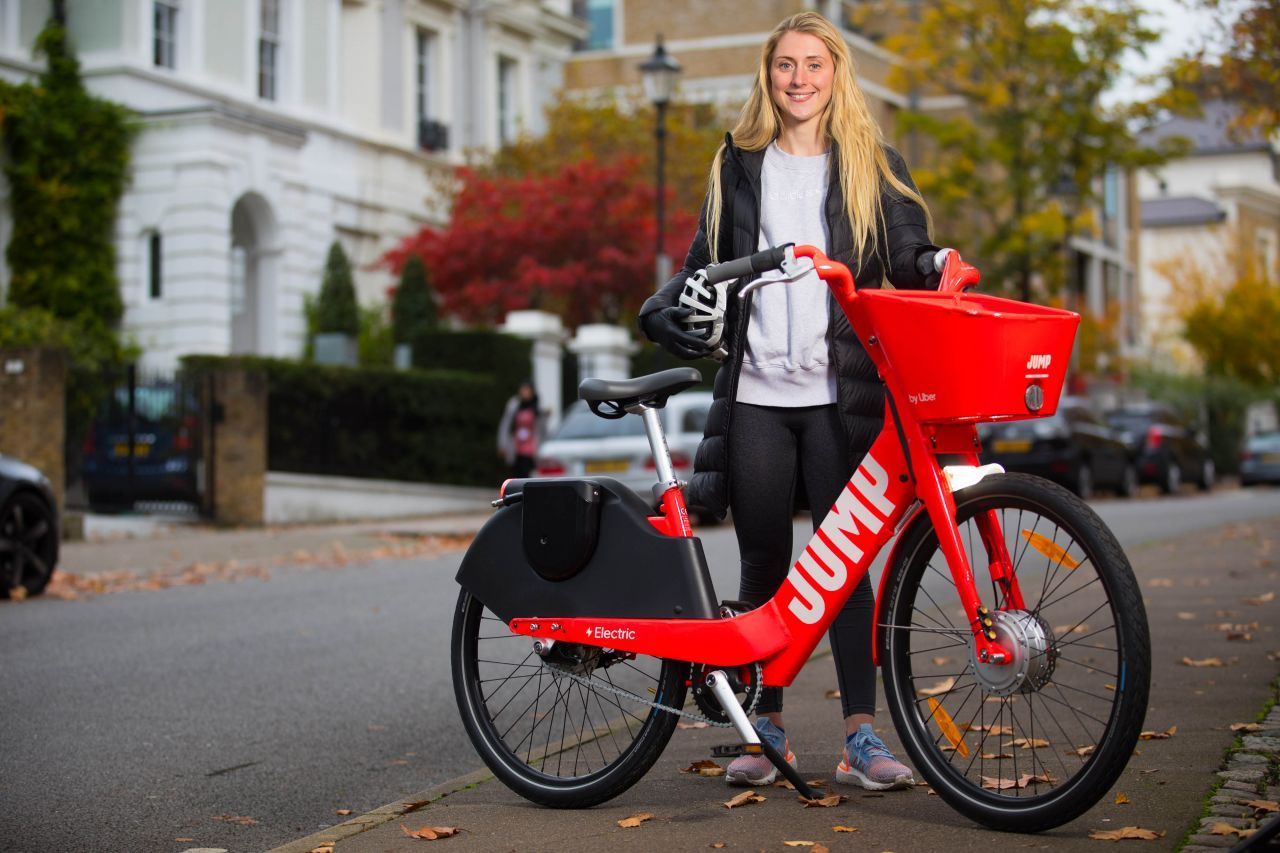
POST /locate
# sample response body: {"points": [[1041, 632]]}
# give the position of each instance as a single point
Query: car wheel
{"points": [[1208, 474], [1083, 486], [1128, 481], [1172, 479], [28, 544]]}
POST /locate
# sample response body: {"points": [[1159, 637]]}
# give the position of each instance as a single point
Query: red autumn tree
{"points": [[578, 242]]}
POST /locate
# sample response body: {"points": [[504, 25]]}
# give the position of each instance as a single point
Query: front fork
{"points": [[933, 490]]}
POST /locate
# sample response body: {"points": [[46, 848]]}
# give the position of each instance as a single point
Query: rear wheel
{"points": [[1084, 480], [1032, 745], [548, 725], [1207, 475], [1128, 481], [28, 544], [1171, 482]]}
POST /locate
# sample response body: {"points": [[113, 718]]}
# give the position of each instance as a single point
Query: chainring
{"points": [[747, 681]]}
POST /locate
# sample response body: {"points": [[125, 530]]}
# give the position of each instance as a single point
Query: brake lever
{"points": [[792, 268]]}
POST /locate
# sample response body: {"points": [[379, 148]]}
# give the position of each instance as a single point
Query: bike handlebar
{"points": [[761, 262]]}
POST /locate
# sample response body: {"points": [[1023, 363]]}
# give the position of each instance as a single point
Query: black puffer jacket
{"points": [[859, 392]]}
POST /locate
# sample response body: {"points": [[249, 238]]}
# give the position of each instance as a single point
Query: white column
{"points": [[548, 336], [604, 351]]}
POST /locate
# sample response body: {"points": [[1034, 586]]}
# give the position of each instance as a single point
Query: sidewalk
{"points": [[1204, 593]]}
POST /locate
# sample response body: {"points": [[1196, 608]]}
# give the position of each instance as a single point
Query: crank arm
{"points": [[719, 684]]}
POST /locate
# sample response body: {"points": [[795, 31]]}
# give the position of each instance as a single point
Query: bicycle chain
{"points": [[693, 715]]}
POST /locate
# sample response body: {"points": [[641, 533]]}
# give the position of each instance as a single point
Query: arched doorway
{"points": [[252, 276]]}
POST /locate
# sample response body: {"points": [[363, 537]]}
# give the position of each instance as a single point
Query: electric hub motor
{"points": [[1032, 645]]}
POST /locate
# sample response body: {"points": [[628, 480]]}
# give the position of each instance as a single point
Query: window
{"points": [[269, 50], [506, 100], [155, 273], [164, 35], [599, 15]]}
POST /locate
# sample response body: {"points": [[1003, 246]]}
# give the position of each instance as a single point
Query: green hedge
{"points": [[435, 426], [503, 358]]}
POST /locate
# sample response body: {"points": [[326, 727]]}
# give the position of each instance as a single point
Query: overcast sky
{"points": [[1182, 31]]}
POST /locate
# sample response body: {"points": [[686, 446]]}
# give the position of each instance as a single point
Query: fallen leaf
{"points": [[997, 731], [342, 811], [799, 843], [839, 828], [1005, 784], [1125, 833], [1239, 637], [1085, 750], [696, 725], [941, 687], [819, 848], [716, 845], [1246, 727], [1221, 828], [941, 661], [18, 593], [745, 798], [995, 756], [1121, 799], [1202, 662], [1264, 805], [705, 767], [1164, 735], [635, 820], [1265, 598], [1160, 582], [1028, 743], [1185, 616], [832, 694], [237, 819], [826, 802], [430, 833], [326, 847]]}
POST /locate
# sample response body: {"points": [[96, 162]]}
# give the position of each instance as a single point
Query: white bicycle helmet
{"points": [[707, 302]]}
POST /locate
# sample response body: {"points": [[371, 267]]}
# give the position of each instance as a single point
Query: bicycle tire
{"points": [[1070, 759], [560, 744]]}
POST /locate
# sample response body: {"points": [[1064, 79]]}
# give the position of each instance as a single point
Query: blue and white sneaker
{"points": [[868, 763], [750, 770]]}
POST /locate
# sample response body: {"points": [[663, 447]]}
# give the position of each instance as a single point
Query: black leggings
{"points": [[767, 445]]}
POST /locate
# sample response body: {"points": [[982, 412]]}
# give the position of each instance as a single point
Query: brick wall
{"points": [[236, 447], [33, 415]]}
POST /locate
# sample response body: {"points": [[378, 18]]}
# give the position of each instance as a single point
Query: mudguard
{"points": [[635, 571]]}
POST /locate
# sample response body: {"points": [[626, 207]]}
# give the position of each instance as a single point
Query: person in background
{"points": [[806, 163], [521, 430]]}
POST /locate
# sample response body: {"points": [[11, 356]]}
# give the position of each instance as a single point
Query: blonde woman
{"points": [[797, 400]]}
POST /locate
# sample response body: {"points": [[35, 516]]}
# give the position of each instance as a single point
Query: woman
{"points": [[521, 430], [797, 397]]}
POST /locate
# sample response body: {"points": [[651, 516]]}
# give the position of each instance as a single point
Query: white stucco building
{"points": [[1223, 190], [270, 128]]}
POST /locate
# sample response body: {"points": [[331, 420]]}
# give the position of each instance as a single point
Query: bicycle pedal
{"points": [[733, 750]]}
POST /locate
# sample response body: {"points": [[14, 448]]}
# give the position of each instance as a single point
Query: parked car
{"points": [[586, 444], [1167, 449], [1260, 460], [28, 528], [1072, 447], [165, 448]]}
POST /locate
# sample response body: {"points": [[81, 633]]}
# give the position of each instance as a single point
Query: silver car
{"points": [[1260, 460], [586, 444]]}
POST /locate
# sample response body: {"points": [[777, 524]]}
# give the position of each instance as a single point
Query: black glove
{"points": [[664, 328], [925, 266]]}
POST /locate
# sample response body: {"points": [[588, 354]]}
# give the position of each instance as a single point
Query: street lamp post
{"points": [[659, 73]]}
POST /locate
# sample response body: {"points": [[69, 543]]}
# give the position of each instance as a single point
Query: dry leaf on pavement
{"points": [[1160, 582], [941, 687], [705, 767], [799, 843], [342, 811], [1264, 805], [237, 819], [1121, 799], [326, 847], [1024, 781], [1125, 833], [1265, 598], [832, 694], [840, 828], [826, 802], [1203, 662], [430, 833], [1085, 750], [1185, 616], [717, 845], [1221, 828], [1246, 727], [1164, 735], [745, 798], [698, 724], [635, 820], [1028, 743]]}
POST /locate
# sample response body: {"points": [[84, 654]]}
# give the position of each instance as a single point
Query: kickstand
{"points": [[719, 684]]}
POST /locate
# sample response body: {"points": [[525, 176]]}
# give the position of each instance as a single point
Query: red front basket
{"points": [[968, 357]]}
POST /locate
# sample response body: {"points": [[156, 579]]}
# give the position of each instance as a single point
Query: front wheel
{"points": [[559, 728], [1031, 745]]}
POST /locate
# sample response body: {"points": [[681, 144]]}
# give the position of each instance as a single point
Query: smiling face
{"points": [[801, 73]]}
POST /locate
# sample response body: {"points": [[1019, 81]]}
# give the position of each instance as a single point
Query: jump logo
{"points": [[1039, 362], [858, 515]]}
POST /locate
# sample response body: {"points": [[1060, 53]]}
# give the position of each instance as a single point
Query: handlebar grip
{"points": [[761, 262]]}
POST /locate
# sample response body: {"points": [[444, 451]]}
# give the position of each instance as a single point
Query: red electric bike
{"points": [[1008, 625]]}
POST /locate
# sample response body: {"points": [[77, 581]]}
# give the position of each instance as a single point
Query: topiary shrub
{"points": [[413, 309], [336, 309]]}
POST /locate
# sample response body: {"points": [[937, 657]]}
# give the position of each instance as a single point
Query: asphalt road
{"points": [[242, 715]]}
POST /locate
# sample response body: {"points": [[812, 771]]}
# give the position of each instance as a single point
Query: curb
{"points": [[385, 814]]}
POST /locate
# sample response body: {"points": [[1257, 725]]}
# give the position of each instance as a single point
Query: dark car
{"points": [[165, 452], [1167, 449], [1260, 460], [1073, 447], [28, 529]]}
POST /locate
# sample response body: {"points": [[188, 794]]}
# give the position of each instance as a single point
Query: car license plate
{"points": [[1011, 445], [1270, 458], [606, 466], [139, 450]]}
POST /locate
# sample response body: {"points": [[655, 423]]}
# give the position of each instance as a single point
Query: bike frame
{"points": [[900, 469]]}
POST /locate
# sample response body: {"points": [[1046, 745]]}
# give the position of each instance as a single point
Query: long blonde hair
{"points": [[847, 120]]}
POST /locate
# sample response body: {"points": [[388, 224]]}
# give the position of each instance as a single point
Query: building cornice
{"points": [[691, 45]]}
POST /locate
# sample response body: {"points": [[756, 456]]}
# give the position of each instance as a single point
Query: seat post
{"points": [[658, 445]]}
